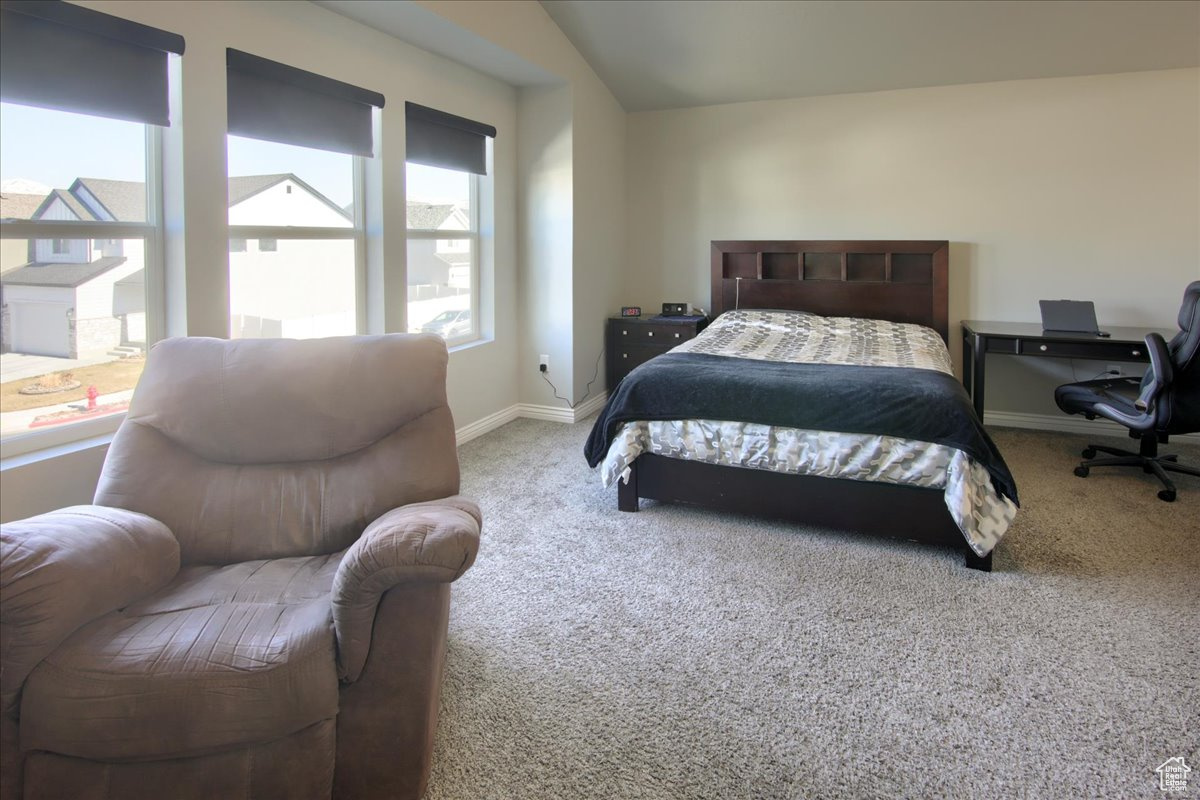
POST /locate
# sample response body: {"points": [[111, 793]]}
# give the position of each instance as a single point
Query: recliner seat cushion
{"points": [[221, 657]]}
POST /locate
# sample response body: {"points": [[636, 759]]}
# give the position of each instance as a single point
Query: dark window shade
{"points": [[69, 58], [437, 139], [272, 101]]}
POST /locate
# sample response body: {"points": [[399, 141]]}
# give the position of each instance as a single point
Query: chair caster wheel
{"points": [[1081, 471], [1167, 495], [1089, 453]]}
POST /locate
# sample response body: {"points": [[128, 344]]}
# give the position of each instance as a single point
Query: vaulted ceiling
{"points": [[657, 54]]}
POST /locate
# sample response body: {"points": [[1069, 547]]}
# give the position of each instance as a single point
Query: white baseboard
{"points": [[1067, 424], [528, 411], [586, 409], [547, 413], [487, 424], [557, 414]]}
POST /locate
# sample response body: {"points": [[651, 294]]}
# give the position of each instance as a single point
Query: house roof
{"points": [[68, 275], [455, 259], [243, 186], [427, 216], [14, 205], [125, 201], [133, 279], [69, 200]]}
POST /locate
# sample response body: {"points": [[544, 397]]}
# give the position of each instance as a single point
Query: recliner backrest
{"points": [[266, 448]]}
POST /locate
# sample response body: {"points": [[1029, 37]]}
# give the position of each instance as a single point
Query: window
{"points": [[295, 149], [443, 240], [81, 257], [446, 157]]}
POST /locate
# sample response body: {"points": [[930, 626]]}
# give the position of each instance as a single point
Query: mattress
{"points": [[979, 493]]}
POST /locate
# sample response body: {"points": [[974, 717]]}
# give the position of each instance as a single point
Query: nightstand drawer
{"points": [[629, 342], [660, 334], [1104, 351], [633, 355]]}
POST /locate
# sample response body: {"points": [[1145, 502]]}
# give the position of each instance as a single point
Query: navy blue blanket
{"points": [[907, 403]]}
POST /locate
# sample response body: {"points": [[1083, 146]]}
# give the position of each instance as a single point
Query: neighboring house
{"points": [[295, 288], [79, 298], [16, 205], [437, 267], [65, 301]]}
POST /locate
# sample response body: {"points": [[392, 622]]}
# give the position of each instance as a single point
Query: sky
{"points": [[42, 145]]}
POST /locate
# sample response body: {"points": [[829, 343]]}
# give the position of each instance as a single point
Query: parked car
{"points": [[449, 324]]}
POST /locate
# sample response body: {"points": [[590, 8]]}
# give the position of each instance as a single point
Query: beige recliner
{"points": [[256, 605]]}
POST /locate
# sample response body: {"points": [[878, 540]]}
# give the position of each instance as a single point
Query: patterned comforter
{"points": [[981, 513]]}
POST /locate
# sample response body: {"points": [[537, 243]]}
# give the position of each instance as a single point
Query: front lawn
{"points": [[113, 376]]}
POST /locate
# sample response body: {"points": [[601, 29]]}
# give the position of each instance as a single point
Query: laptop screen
{"points": [[1078, 316]]}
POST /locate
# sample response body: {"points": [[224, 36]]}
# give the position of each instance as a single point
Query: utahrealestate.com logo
{"points": [[1173, 775]]}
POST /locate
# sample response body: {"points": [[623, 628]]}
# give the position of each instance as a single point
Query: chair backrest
{"points": [[1179, 411], [265, 448]]}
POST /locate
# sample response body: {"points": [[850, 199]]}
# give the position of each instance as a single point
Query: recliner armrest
{"points": [[61, 570], [433, 542]]}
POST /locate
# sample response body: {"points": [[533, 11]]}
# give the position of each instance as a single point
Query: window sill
{"points": [[471, 345], [33, 447]]}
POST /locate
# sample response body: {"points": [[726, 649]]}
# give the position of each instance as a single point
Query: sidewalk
{"points": [[13, 422]]}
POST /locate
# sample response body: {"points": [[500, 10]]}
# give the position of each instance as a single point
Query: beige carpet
{"points": [[683, 653]]}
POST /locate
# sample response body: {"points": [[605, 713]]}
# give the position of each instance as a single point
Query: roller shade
{"points": [[69, 58], [438, 139], [272, 101]]}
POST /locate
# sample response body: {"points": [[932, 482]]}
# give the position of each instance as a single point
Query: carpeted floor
{"points": [[684, 653]]}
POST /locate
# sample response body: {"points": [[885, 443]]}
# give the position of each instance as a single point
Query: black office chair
{"points": [[1165, 401]]}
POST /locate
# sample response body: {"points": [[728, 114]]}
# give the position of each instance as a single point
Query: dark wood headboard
{"points": [[900, 281]]}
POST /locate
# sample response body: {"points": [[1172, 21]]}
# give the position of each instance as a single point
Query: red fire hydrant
{"points": [[92, 394]]}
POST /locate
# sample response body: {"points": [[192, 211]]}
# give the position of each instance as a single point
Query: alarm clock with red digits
{"points": [[631, 311]]}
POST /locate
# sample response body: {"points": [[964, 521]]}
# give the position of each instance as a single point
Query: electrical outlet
{"points": [[543, 363]]}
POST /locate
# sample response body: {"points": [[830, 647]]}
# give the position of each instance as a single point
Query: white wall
{"points": [[596, 222], [546, 170], [34, 486], [1085, 188], [600, 199]]}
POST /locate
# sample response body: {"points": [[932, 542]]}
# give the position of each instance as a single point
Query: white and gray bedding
{"points": [[835, 397]]}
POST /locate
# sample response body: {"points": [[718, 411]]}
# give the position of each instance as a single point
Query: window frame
{"points": [[357, 233], [151, 232], [472, 236]]}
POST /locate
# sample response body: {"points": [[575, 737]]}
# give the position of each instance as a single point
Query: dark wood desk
{"points": [[1028, 339]]}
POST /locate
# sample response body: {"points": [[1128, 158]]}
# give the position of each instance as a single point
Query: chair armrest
{"points": [[433, 542], [61, 570], [1159, 378], [1162, 375]]}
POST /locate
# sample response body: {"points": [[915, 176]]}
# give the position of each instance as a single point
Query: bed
{"points": [[824, 396]]}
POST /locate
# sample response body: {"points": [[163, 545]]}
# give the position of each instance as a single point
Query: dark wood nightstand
{"points": [[630, 341]]}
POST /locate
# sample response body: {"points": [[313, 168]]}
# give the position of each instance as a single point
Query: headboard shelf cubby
{"points": [[901, 281]]}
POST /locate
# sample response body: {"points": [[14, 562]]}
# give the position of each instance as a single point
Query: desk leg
{"points": [[979, 359]]}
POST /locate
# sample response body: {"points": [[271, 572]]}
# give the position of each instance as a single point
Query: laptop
{"points": [[1070, 316]]}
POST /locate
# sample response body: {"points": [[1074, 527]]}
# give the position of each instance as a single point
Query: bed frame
{"points": [[900, 281]]}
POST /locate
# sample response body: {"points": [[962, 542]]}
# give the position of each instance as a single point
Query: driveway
{"points": [[16, 366]]}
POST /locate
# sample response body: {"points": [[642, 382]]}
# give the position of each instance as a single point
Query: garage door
{"points": [[40, 329]]}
